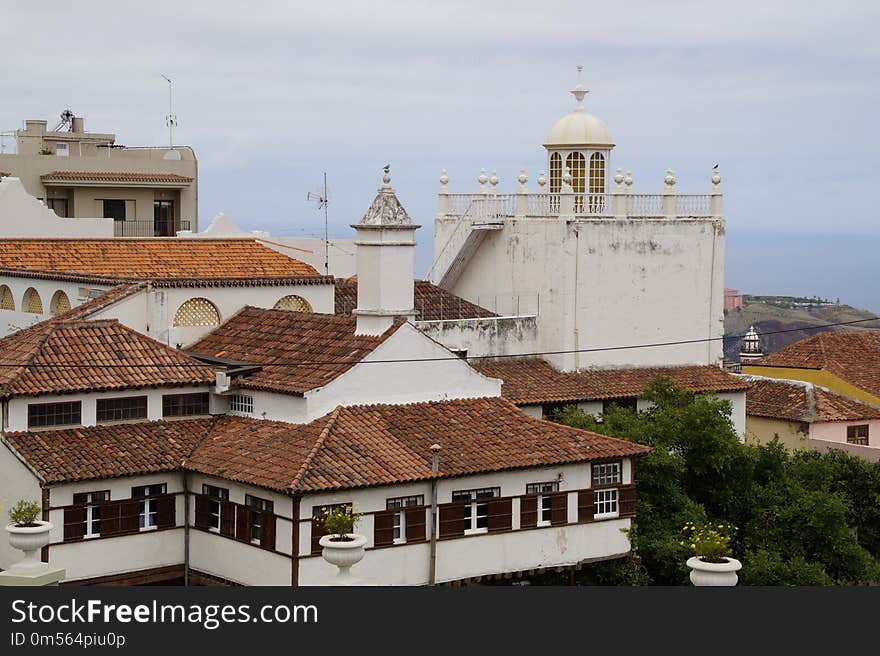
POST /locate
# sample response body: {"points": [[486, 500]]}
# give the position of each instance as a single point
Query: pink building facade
{"points": [[732, 299]]}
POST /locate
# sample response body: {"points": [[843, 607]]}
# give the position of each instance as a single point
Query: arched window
{"points": [[293, 303], [197, 312], [59, 303], [597, 182], [576, 164], [31, 301], [7, 302], [555, 180]]}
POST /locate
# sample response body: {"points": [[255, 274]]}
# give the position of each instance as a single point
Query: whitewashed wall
{"points": [[18, 412], [22, 215], [606, 282], [489, 336], [12, 320], [18, 482]]}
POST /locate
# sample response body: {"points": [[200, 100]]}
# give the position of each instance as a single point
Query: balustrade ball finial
{"points": [[542, 180], [618, 177], [522, 178], [566, 177], [716, 177], [386, 177], [628, 180], [444, 179], [670, 178], [482, 178], [493, 179]]}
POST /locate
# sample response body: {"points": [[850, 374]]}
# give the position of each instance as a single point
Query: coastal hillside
{"points": [[773, 313]]}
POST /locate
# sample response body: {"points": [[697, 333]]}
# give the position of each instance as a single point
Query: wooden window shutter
{"points": [[317, 533], [129, 520], [267, 530], [227, 519], [500, 515], [559, 508], [451, 520], [74, 523], [242, 523], [383, 528], [110, 524], [166, 511], [203, 511], [528, 512], [415, 524], [586, 505], [626, 500]]}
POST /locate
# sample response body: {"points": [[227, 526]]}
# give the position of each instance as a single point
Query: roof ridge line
{"points": [[319, 443], [215, 420]]}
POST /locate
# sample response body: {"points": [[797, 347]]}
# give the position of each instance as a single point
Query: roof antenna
{"points": [[323, 203], [171, 118]]}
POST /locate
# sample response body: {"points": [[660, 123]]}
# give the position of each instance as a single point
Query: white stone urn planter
{"points": [[343, 554], [706, 574], [29, 539]]}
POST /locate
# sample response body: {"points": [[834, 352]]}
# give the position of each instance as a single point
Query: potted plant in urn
{"points": [[28, 533], [710, 543], [341, 546]]}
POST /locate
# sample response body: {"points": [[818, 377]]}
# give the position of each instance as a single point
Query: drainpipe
{"points": [[577, 337], [185, 530], [435, 468]]}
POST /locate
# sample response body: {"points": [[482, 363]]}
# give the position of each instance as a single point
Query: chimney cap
{"points": [[435, 448]]}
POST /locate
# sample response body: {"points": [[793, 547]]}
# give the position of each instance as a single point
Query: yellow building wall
{"points": [[816, 376], [762, 430]]}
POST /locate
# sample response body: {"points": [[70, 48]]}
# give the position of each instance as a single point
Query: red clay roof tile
{"points": [[432, 303], [797, 401], [116, 176]]}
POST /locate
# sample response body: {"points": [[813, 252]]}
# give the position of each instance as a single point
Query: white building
{"points": [[597, 264], [23, 215], [216, 466]]}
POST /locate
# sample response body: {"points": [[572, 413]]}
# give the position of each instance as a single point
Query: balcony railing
{"points": [[489, 205], [149, 228]]}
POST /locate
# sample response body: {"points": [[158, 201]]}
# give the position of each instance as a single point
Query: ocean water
{"points": [[845, 266]]}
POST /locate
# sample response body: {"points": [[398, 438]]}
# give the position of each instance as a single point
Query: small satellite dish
{"points": [[172, 155]]}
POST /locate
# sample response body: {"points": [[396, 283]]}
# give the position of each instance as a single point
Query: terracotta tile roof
{"points": [[58, 356], [533, 381], [260, 336], [798, 401], [384, 444], [79, 454], [116, 176], [432, 303], [3, 174], [853, 356], [149, 259]]}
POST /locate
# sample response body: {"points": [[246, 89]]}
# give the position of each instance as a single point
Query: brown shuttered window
{"points": [[528, 512], [110, 512], [451, 520], [267, 523], [415, 524], [383, 528], [74, 523], [318, 532], [203, 511], [586, 506], [242, 524], [559, 509], [627, 501], [500, 514], [227, 518], [167, 511]]}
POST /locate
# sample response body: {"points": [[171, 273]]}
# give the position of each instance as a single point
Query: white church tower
{"points": [[385, 261]]}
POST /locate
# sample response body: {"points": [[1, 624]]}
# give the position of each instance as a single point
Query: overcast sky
{"points": [[783, 95]]}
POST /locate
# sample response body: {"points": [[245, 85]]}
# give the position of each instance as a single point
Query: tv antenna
{"points": [[323, 201], [171, 118]]}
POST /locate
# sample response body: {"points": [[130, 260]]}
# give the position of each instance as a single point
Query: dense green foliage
{"points": [[803, 519]]}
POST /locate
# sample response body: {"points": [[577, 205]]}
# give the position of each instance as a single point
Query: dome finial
{"points": [[579, 91]]}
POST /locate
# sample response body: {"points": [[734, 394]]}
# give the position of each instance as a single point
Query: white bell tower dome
{"points": [[580, 143]]}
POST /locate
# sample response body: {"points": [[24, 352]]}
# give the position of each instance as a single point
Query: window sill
{"points": [[211, 529], [43, 429], [613, 515], [399, 541], [146, 529], [476, 531]]}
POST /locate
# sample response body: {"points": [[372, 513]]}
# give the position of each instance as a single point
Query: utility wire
{"points": [[304, 363]]}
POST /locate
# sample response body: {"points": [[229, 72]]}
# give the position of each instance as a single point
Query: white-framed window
{"points": [[606, 473], [476, 510], [241, 404], [148, 511], [543, 490], [93, 501], [606, 503], [215, 495], [261, 506], [399, 505]]}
